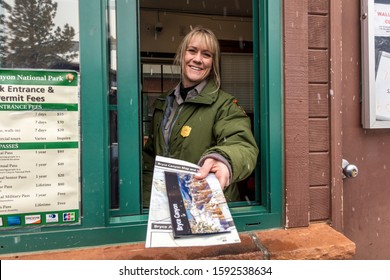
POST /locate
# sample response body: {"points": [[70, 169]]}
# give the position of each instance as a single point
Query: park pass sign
{"points": [[39, 148]]}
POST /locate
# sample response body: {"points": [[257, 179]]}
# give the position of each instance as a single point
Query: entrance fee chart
{"points": [[39, 148]]}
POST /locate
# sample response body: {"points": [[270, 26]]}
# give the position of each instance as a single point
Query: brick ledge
{"points": [[315, 242]]}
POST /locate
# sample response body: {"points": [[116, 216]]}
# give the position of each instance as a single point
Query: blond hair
{"points": [[210, 40]]}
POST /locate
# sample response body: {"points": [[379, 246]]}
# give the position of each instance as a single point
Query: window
{"points": [[40, 115], [159, 38], [122, 67], [161, 28]]}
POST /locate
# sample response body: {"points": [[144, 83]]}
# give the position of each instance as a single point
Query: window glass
{"points": [[237, 77], [113, 115], [39, 34]]}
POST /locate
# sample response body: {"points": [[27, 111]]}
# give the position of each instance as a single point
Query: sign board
{"points": [[39, 148], [375, 19]]}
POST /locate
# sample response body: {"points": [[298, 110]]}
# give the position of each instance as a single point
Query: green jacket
{"points": [[211, 122]]}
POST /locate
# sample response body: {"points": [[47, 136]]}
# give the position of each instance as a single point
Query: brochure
{"points": [[181, 206]]}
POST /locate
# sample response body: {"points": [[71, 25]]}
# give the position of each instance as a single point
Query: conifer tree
{"points": [[2, 39], [31, 38]]}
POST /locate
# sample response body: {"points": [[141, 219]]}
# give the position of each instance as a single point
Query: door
{"points": [[366, 198]]}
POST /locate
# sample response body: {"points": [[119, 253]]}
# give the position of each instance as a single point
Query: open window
{"points": [[124, 52]]}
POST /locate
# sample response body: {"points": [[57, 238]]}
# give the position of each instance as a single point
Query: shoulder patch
{"points": [[235, 101]]}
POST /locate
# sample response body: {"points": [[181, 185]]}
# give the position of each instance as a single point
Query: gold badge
{"points": [[185, 131]]}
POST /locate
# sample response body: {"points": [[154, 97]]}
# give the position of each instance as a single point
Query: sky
{"points": [[67, 12]]}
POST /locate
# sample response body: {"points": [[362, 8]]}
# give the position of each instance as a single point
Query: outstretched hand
{"points": [[214, 166]]}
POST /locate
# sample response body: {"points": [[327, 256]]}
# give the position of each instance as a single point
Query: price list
{"points": [[39, 148]]}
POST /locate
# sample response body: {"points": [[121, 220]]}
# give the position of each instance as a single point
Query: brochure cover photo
{"points": [[195, 207]]}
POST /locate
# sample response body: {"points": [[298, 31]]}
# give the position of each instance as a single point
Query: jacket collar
{"points": [[207, 95], [191, 94]]}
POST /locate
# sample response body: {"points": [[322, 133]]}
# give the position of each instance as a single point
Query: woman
{"points": [[200, 123]]}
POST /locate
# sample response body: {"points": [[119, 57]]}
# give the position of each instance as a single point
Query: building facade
{"points": [[295, 67]]}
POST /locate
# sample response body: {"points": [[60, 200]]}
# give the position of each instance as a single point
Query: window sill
{"points": [[315, 242]]}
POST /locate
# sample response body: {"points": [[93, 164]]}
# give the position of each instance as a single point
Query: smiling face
{"points": [[197, 62]]}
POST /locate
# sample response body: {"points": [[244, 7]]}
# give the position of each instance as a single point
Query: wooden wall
{"points": [[319, 146], [306, 108]]}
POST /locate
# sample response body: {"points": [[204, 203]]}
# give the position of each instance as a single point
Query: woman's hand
{"points": [[219, 168]]}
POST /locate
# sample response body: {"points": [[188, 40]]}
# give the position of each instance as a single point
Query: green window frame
{"points": [[102, 226]]}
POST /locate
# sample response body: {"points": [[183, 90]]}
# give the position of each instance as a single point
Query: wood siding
{"points": [[319, 146]]}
